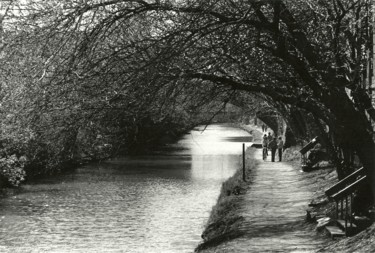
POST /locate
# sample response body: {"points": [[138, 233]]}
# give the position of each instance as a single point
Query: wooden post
{"points": [[346, 216], [372, 61], [243, 163], [351, 211], [342, 209]]}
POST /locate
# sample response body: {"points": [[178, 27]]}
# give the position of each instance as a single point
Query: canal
{"points": [[154, 203]]}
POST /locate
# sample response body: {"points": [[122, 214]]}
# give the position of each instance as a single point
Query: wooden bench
{"points": [[309, 145], [345, 182], [342, 193]]}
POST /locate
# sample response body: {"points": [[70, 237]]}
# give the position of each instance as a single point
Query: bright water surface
{"points": [[156, 203]]}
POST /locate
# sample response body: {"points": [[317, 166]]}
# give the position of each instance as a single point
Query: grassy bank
{"points": [[225, 219], [320, 180], [362, 242]]}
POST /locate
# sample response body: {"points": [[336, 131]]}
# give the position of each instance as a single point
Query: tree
{"points": [[309, 56]]}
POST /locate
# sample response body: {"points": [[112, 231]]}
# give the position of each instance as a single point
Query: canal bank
{"points": [[225, 219], [267, 214]]}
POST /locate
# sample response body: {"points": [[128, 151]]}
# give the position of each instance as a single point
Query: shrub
{"points": [[12, 168]]}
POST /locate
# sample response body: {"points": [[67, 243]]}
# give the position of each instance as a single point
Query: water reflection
{"points": [[156, 203]]}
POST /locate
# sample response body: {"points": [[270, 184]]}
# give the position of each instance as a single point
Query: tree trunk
{"points": [[366, 153]]}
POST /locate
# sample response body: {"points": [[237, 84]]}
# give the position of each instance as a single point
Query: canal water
{"points": [[155, 203]]}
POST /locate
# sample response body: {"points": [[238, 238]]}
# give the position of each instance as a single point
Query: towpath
{"points": [[274, 211]]}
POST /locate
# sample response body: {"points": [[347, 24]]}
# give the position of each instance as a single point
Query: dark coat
{"points": [[272, 144]]}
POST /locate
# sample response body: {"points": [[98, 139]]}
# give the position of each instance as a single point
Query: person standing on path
{"points": [[280, 146], [273, 146], [265, 146], [269, 138]]}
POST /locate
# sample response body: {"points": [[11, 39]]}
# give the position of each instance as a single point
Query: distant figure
{"points": [[265, 145], [269, 137], [265, 128], [273, 146], [280, 146], [265, 140]]}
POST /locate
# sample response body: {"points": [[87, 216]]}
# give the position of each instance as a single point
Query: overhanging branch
{"points": [[307, 104]]}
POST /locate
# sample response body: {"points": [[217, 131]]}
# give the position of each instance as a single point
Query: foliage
{"points": [[12, 168], [119, 68]]}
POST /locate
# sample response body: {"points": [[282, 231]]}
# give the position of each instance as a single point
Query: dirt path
{"points": [[274, 212]]}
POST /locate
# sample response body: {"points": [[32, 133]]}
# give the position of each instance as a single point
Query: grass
{"points": [[362, 242], [225, 216]]}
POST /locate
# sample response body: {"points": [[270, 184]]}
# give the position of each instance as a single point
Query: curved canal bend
{"points": [[156, 203]]}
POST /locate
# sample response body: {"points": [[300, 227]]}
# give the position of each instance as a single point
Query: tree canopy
{"points": [[118, 64]]}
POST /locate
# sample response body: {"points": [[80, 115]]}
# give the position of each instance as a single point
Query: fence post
{"points": [[243, 163]]}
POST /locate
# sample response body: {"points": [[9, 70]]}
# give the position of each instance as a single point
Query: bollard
{"points": [[243, 163]]}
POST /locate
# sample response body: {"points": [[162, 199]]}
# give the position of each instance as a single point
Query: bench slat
{"points": [[344, 182], [349, 189]]}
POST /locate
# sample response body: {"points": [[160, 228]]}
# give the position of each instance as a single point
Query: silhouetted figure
{"points": [[280, 145], [265, 146], [269, 138], [273, 146]]}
